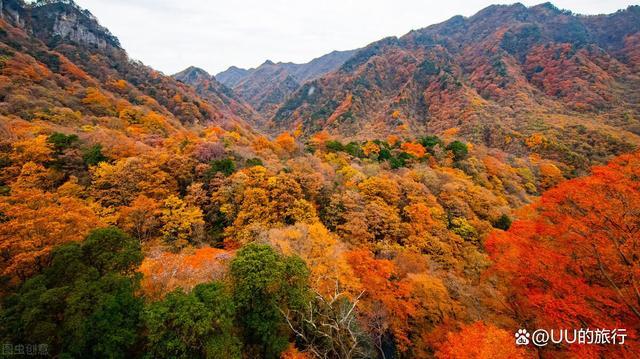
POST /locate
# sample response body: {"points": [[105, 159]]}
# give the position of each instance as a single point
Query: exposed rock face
{"points": [[64, 20], [13, 11], [54, 21], [66, 26]]}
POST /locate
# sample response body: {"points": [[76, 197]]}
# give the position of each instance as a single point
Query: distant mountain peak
{"points": [[197, 70], [546, 5], [502, 55], [192, 74], [209, 88], [269, 84]]}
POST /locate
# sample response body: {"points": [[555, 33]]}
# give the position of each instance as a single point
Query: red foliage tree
{"points": [[387, 305], [573, 263]]}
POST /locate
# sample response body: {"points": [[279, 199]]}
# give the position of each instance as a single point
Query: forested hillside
{"points": [[509, 77], [430, 197]]}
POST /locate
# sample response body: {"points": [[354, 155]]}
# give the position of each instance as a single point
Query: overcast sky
{"points": [[171, 35]]}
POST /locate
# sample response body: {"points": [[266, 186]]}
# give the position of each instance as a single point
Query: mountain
{"points": [[506, 77], [266, 87], [218, 94], [58, 53], [141, 215], [59, 21], [321, 65], [269, 85], [232, 75]]}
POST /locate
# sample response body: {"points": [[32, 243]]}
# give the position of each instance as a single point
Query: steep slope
{"points": [[59, 53], [218, 94], [319, 66], [269, 85], [139, 220], [266, 87], [517, 78]]}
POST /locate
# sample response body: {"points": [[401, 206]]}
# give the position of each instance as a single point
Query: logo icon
{"points": [[522, 337]]}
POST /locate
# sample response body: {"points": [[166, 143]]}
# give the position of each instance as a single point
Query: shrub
{"points": [[252, 162], [429, 142], [334, 146], [458, 149], [504, 222], [93, 155], [61, 142], [225, 166]]}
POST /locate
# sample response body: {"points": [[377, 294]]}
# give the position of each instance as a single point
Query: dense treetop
{"points": [[141, 216]]}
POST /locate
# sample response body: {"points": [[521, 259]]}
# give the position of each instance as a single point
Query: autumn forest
{"points": [[424, 196]]}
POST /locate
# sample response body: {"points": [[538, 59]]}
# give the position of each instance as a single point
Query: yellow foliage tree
{"points": [[370, 149], [120, 183], [182, 224], [98, 102], [322, 252], [35, 149]]}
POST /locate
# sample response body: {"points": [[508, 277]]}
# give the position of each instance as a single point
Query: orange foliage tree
{"points": [[293, 353], [163, 272], [141, 218], [414, 149], [320, 138], [33, 222], [286, 143], [480, 341]]}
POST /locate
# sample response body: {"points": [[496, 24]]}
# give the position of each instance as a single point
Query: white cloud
{"points": [[170, 35]]}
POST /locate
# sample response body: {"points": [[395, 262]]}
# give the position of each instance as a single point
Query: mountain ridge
{"points": [[300, 70], [490, 76], [217, 93], [269, 84], [414, 202], [66, 45]]}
